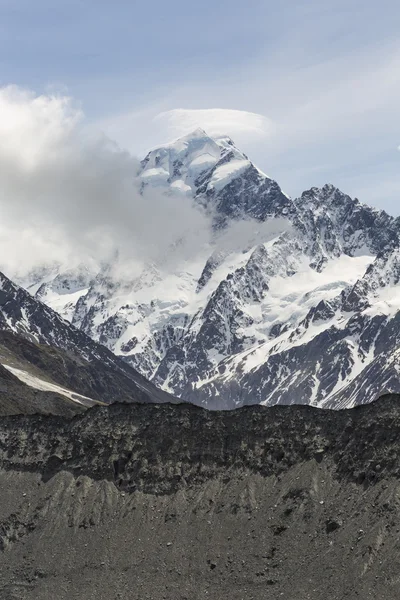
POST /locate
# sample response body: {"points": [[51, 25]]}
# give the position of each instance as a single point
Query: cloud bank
{"points": [[216, 121], [67, 197]]}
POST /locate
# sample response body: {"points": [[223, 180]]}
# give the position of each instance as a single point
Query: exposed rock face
{"points": [[147, 501], [37, 342]]}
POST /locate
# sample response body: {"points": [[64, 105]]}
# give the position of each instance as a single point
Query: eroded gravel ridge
{"points": [[173, 502]]}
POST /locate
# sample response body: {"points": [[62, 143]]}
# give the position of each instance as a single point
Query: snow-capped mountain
{"points": [[217, 175], [299, 306]]}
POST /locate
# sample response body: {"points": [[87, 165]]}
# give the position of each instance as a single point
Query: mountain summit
{"points": [[217, 175]]}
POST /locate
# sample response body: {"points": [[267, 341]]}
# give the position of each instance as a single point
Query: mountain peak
{"points": [[214, 172], [197, 136], [194, 140], [222, 139], [328, 188], [196, 133], [180, 165]]}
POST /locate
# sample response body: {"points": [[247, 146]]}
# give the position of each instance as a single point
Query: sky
{"points": [[321, 80], [317, 84], [309, 90]]}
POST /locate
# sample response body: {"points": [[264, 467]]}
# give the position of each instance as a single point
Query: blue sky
{"points": [[316, 84]]}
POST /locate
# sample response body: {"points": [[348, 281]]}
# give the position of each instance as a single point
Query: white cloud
{"points": [[65, 196], [31, 127], [152, 126], [215, 121], [68, 198]]}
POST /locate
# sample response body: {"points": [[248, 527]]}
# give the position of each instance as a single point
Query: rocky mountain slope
{"points": [[17, 397], [47, 365], [291, 300], [289, 502]]}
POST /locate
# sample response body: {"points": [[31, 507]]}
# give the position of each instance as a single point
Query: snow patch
{"points": [[224, 174], [45, 386]]}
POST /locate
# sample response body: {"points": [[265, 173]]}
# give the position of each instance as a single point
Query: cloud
{"points": [[152, 126], [215, 121], [31, 127], [66, 196], [69, 197], [247, 233]]}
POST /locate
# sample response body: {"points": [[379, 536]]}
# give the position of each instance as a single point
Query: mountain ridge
{"points": [[232, 326], [47, 353]]}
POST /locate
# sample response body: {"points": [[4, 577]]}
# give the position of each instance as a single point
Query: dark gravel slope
{"points": [[173, 502]]}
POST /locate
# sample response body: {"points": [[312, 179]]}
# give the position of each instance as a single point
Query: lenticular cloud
{"points": [[216, 121]]}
